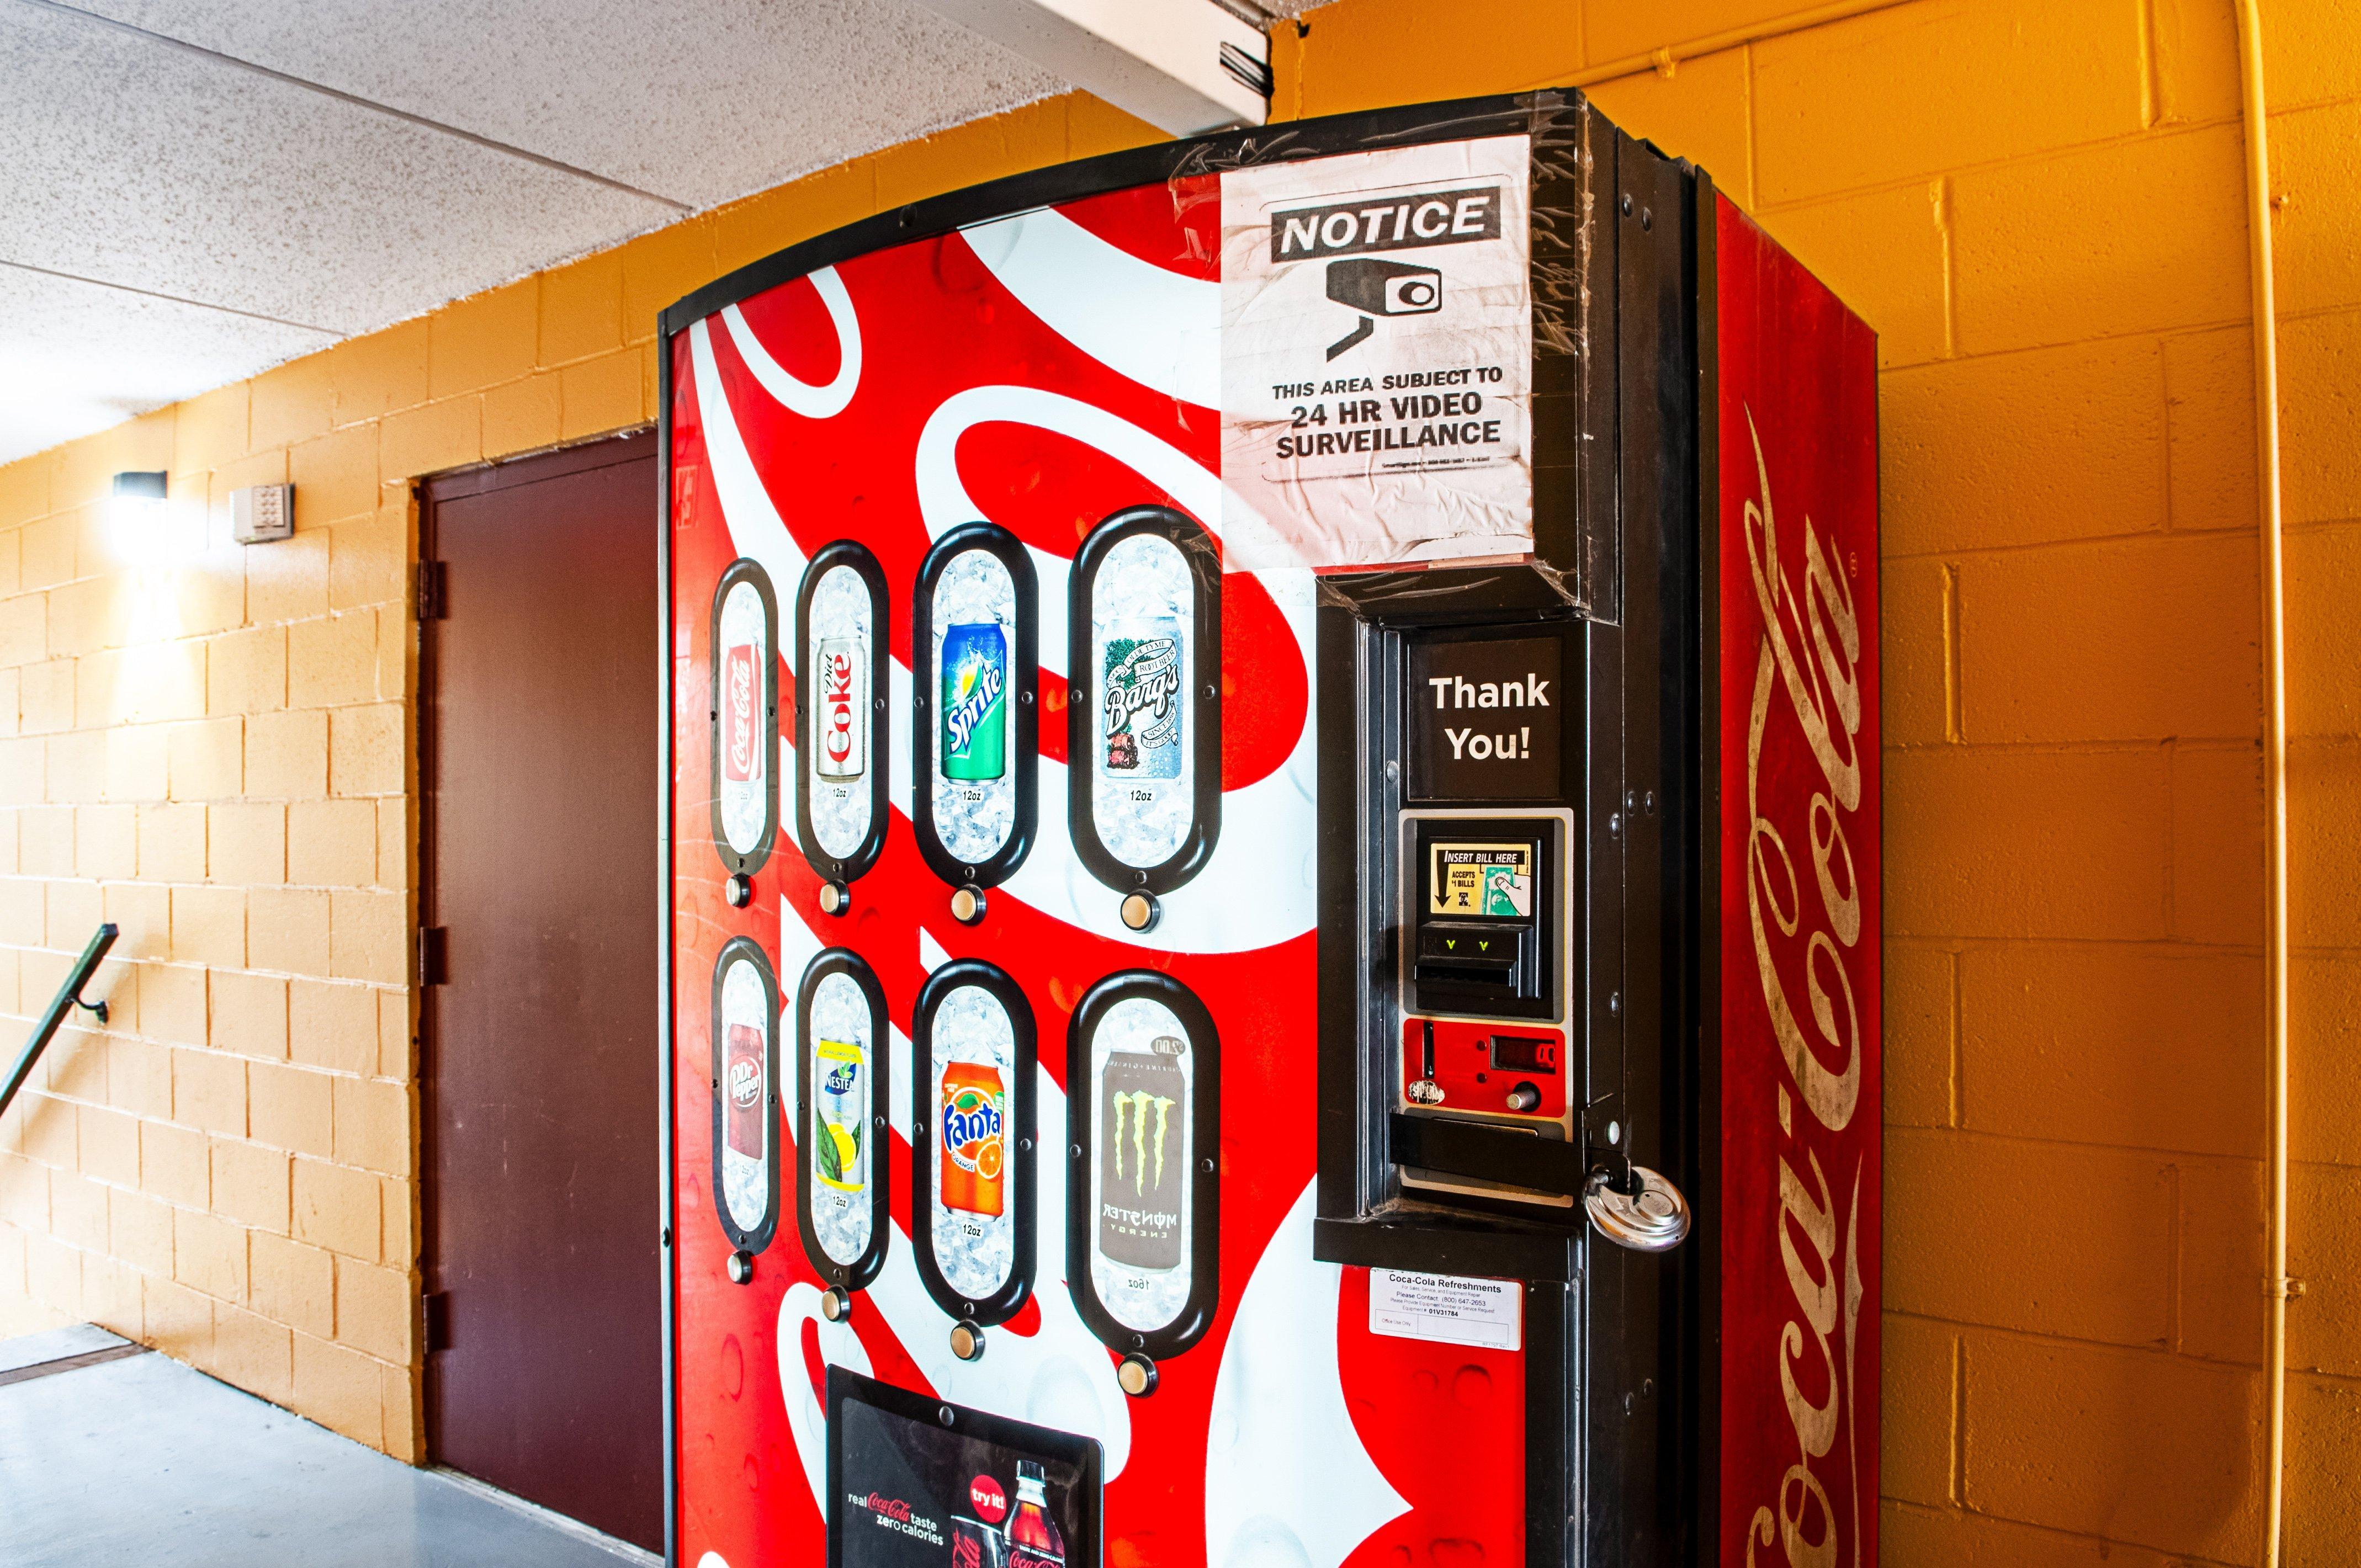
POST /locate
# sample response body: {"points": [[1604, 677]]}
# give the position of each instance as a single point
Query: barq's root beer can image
{"points": [[974, 1119], [1141, 718], [975, 684], [842, 1113]]}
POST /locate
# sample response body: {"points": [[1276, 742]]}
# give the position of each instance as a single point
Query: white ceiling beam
{"points": [[1184, 66]]}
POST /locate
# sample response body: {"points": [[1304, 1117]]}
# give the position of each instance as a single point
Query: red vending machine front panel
{"points": [[1800, 914], [1078, 1125]]}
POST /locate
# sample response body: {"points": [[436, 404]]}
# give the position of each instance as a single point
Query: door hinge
{"points": [[433, 954], [438, 1320], [434, 597]]}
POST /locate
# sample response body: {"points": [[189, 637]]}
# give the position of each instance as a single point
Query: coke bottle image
{"points": [[1033, 1538]]}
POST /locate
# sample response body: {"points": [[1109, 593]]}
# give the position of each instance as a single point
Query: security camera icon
{"points": [[1378, 288]]}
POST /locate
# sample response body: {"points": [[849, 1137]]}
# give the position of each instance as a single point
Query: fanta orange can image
{"points": [[975, 1120]]}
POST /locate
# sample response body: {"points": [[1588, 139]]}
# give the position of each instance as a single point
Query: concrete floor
{"points": [[142, 1461]]}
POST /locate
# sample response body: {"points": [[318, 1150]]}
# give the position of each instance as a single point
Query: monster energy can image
{"points": [[975, 710], [1140, 700], [1143, 1166]]}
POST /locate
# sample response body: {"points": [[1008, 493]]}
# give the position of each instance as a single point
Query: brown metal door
{"points": [[540, 792]]}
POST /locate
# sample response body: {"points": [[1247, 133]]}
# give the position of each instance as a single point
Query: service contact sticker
{"points": [[1481, 881], [1376, 346], [1447, 1308]]}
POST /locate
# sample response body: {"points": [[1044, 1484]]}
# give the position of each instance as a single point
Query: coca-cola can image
{"points": [[975, 1544], [741, 695]]}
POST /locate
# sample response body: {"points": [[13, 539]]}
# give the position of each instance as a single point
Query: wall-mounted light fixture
{"points": [[139, 485]]}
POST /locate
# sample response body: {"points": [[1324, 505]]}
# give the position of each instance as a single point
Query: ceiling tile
{"points": [[76, 357], [701, 101], [132, 162]]}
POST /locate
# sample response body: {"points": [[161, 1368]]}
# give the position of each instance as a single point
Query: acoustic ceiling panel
{"points": [[76, 357], [700, 100]]}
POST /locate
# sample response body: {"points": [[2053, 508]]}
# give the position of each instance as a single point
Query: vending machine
{"points": [[1272, 958]]}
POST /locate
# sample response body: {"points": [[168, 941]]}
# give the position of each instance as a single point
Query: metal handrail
{"points": [[69, 997]]}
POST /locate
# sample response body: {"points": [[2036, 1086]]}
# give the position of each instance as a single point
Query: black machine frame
{"points": [[1025, 730], [1201, 696], [1618, 1468], [860, 1271], [856, 558], [1196, 1315], [925, 1138]]}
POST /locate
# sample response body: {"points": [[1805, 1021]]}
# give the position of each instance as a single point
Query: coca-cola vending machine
{"points": [[1273, 847]]}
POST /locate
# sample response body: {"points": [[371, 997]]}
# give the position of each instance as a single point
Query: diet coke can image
{"points": [[840, 728]]}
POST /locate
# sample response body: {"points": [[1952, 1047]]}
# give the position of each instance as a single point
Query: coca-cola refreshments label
{"points": [[840, 724]]}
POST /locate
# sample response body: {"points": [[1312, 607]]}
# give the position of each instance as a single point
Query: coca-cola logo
{"points": [[886, 1507], [1819, 1235], [991, 1502], [741, 755]]}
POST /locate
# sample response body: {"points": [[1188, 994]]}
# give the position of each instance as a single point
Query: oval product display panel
{"points": [[972, 1176], [745, 1097], [842, 1181], [1144, 1107], [976, 733], [840, 683], [1145, 659], [746, 717]]}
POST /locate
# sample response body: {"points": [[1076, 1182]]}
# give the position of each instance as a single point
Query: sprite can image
{"points": [[974, 704]]}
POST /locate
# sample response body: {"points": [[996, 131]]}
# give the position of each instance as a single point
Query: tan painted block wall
{"points": [[2038, 205], [2041, 206], [215, 748]]}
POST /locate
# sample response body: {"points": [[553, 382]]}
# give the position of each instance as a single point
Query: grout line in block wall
{"points": [[1939, 193], [1959, 1041], [1954, 705], [1959, 1477]]}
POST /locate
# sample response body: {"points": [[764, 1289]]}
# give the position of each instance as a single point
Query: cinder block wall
{"points": [[2041, 206], [215, 749]]}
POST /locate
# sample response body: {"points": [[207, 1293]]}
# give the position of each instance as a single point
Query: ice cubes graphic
{"points": [[840, 807], [974, 1253], [745, 1181], [974, 818], [1142, 1298], [841, 1220], [742, 803], [1143, 588]]}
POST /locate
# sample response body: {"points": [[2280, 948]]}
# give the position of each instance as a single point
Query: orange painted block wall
{"points": [[2039, 203]]}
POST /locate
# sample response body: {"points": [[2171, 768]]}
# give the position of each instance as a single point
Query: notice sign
{"points": [[1377, 350], [1446, 1307]]}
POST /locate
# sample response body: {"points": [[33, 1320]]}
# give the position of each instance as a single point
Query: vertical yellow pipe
{"points": [[2256, 112]]}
